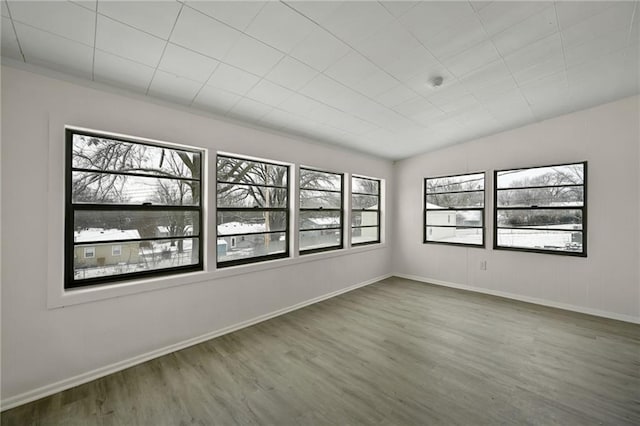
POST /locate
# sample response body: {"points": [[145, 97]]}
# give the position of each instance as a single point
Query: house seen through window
{"points": [[133, 209]]}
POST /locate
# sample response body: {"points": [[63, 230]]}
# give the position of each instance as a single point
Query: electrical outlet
{"points": [[483, 265]]}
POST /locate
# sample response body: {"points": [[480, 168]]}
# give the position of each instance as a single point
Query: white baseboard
{"points": [[543, 302], [80, 379]]}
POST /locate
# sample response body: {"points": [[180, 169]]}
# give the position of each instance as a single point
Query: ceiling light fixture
{"points": [[437, 81]]}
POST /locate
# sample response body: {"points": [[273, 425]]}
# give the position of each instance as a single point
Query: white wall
{"points": [[607, 281], [42, 346]]}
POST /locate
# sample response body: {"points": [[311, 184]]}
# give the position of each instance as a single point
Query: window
{"points": [[454, 210], [253, 204], [365, 211], [321, 209], [142, 197], [542, 209]]}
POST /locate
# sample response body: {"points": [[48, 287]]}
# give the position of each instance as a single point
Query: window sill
{"points": [[58, 297]]}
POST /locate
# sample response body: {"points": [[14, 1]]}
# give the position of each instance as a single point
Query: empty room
{"points": [[320, 212]]}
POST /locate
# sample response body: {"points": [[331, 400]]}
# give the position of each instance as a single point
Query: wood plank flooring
{"points": [[396, 352]]}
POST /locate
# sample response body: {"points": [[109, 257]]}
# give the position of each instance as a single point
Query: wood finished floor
{"points": [[395, 352]]}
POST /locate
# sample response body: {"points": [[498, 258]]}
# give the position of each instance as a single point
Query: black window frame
{"points": [[286, 210], [379, 226], [71, 208], [425, 209], [340, 226], [583, 208]]}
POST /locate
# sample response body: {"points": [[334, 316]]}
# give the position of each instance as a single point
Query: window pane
{"points": [[456, 183], [364, 235], [319, 219], [364, 218], [250, 196], [556, 196], [463, 199], [104, 154], [572, 174], [238, 170], [92, 225], [566, 241], [135, 256], [556, 219], [368, 202], [454, 235], [312, 179], [248, 246], [319, 239], [315, 199], [102, 188], [243, 222], [454, 218], [365, 186]]}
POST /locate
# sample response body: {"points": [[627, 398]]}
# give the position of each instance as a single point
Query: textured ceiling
{"points": [[357, 74]]}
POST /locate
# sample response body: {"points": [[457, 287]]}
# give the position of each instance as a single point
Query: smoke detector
{"points": [[437, 81]]}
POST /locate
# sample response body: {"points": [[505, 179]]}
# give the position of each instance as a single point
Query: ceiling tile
{"points": [[215, 100], [395, 96], [330, 92], [448, 94], [455, 38], [253, 56], [58, 53], [471, 59], [572, 12], [186, 63], [91, 5], [4, 9], [232, 79], [238, 14], [319, 50], [610, 20], [489, 81], [249, 109], [291, 73], [300, 104], [430, 18], [390, 42], [173, 88], [414, 106], [269, 93], [417, 63], [375, 84], [354, 21], [120, 72], [157, 20], [122, 40], [280, 26], [203, 34], [479, 5], [595, 48], [548, 88], [400, 7], [61, 18], [10, 48], [528, 31], [537, 60], [500, 15], [351, 68]]}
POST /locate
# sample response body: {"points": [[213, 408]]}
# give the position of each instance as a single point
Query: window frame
{"points": [[378, 211], [483, 209], [583, 208], [340, 227], [70, 282], [286, 210]]}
